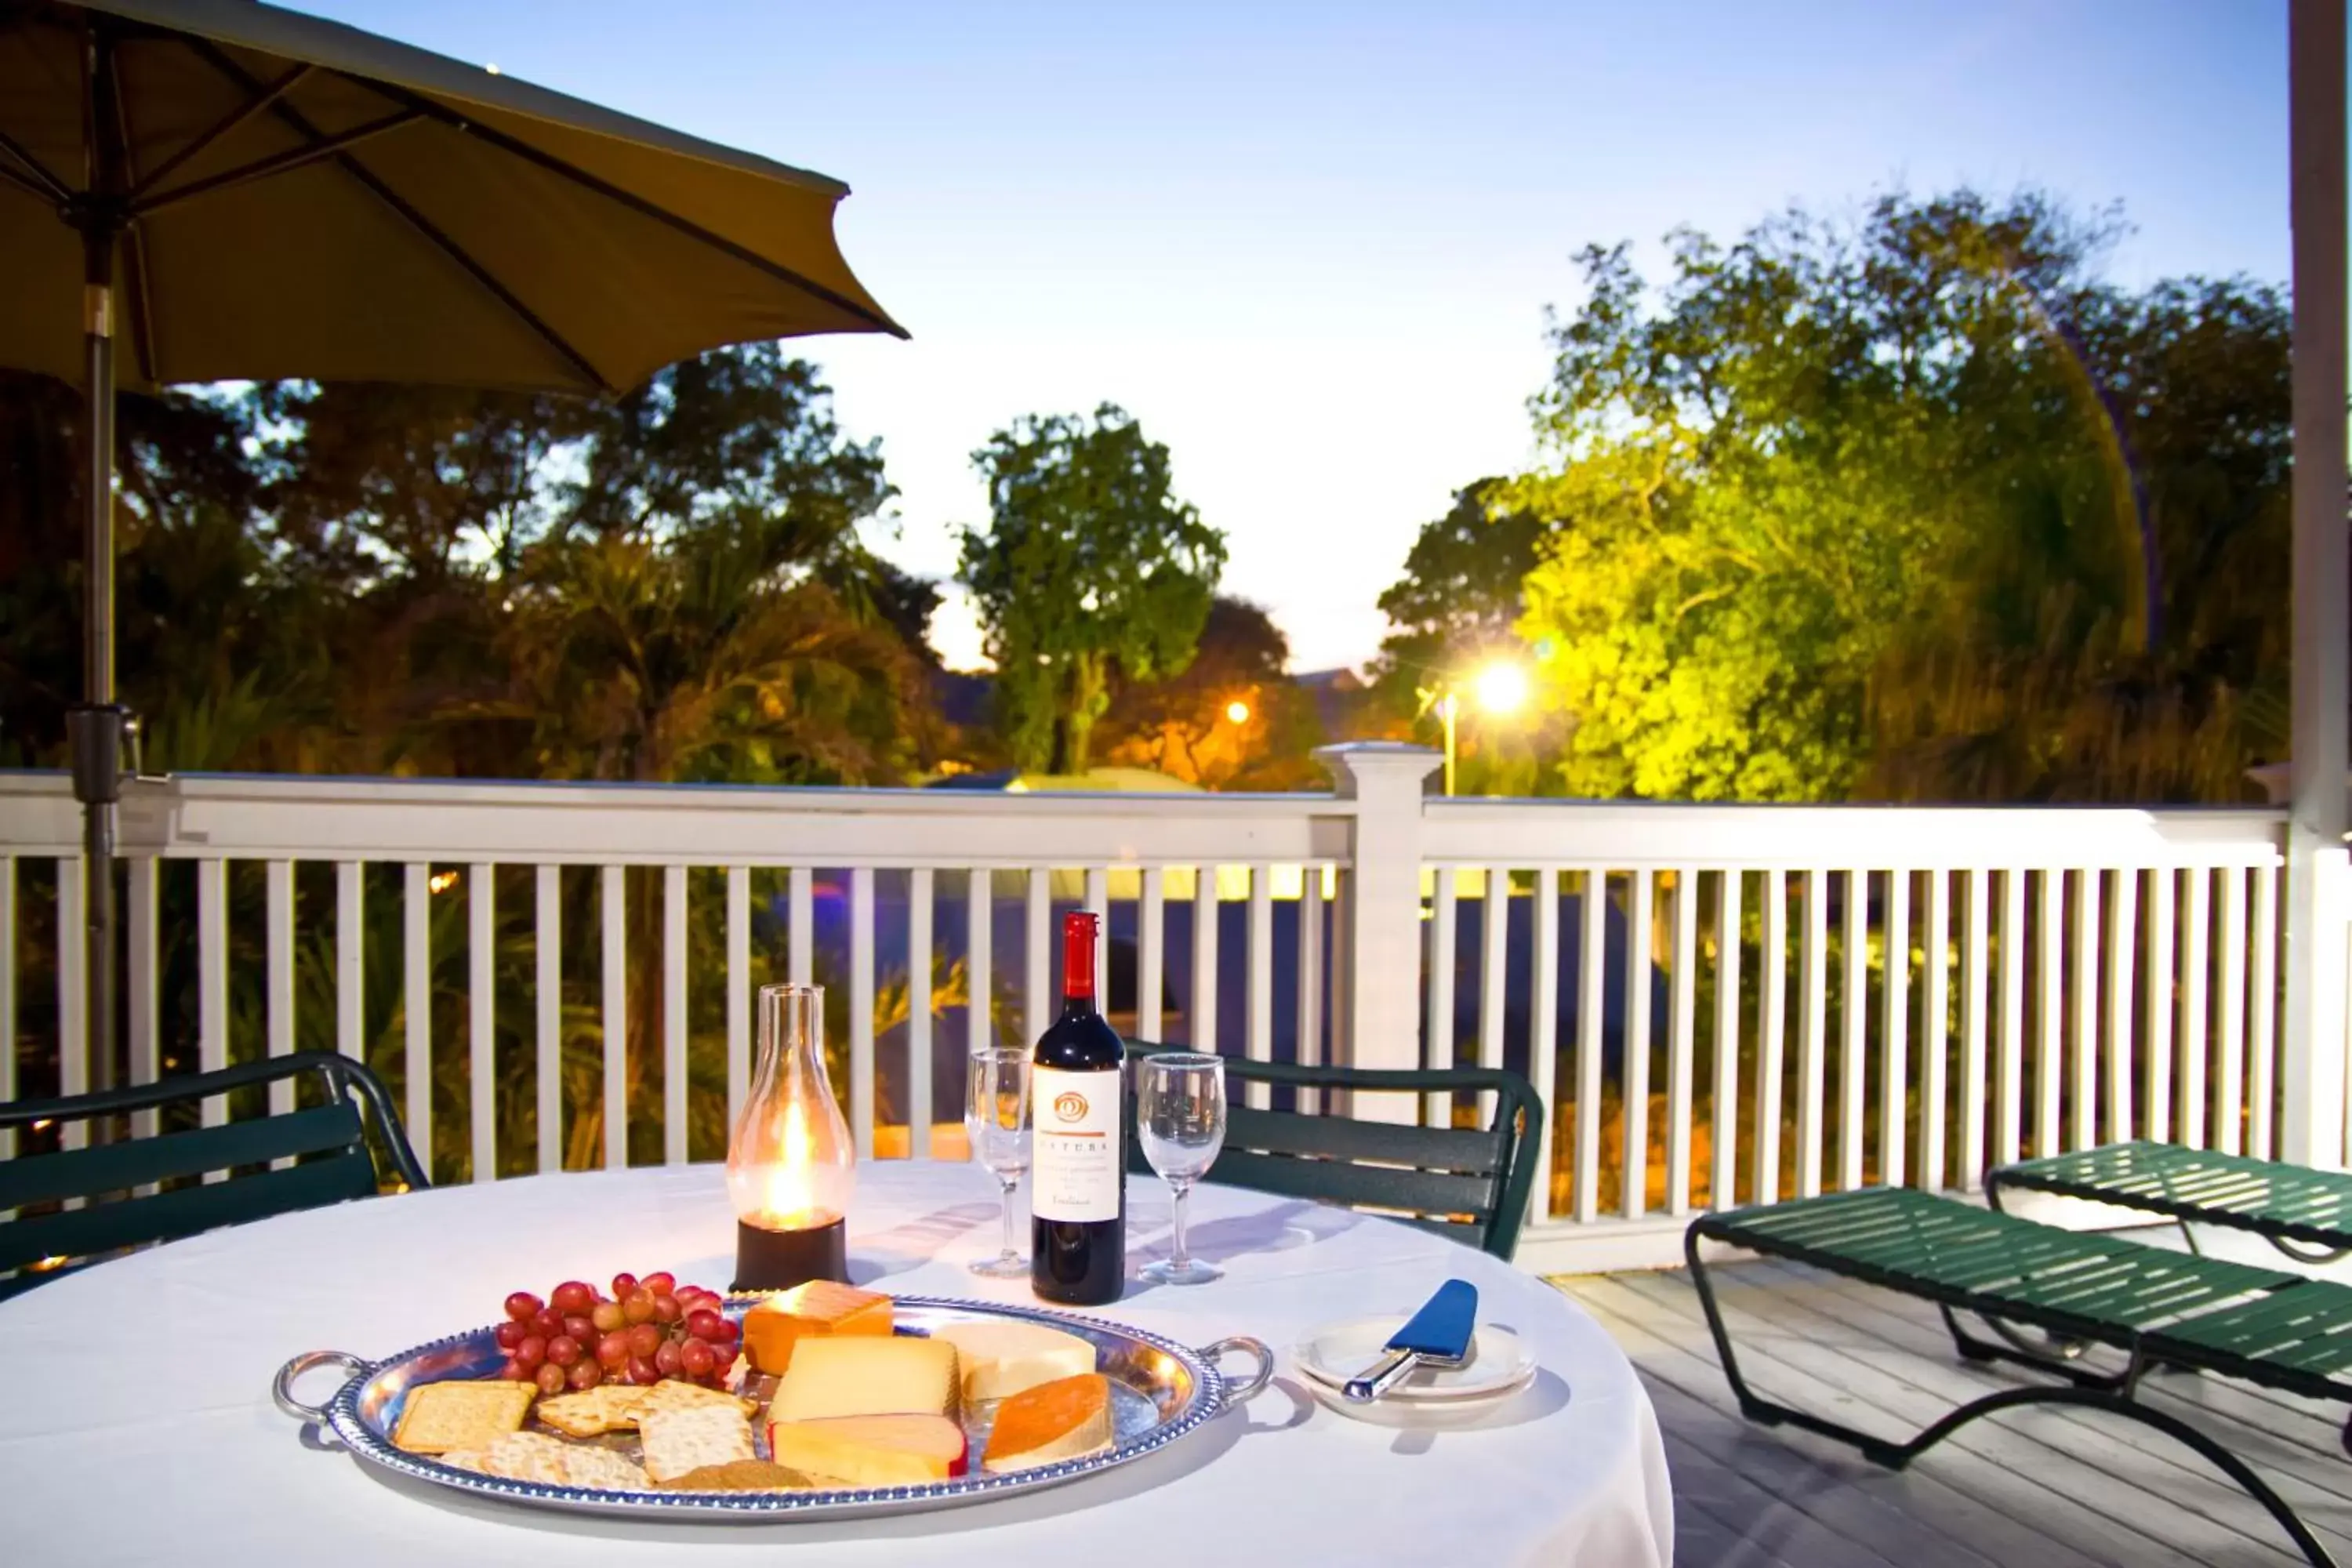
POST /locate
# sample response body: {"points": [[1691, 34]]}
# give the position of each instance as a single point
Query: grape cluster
{"points": [[647, 1330]]}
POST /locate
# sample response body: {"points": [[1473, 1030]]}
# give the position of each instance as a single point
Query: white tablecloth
{"points": [[137, 1426]]}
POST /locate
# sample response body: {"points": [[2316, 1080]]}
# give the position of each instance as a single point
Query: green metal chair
{"points": [[1467, 1184], [99, 1200]]}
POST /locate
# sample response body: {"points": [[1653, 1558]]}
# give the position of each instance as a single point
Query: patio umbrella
{"points": [[232, 191]]}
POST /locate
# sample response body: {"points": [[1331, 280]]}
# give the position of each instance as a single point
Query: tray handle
{"points": [[281, 1387], [1256, 1350]]}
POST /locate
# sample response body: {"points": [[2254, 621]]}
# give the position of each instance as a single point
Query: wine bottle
{"points": [[1077, 1207]]}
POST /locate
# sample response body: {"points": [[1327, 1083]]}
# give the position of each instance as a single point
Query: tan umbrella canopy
{"points": [[201, 190]]}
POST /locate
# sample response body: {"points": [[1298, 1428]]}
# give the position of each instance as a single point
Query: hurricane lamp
{"points": [[790, 1165]]}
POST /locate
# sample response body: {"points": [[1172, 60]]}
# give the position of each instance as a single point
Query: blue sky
{"points": [[1310, 245]]}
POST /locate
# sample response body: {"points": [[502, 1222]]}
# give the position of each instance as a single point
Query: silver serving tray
{"points": [[1160, 1391]]}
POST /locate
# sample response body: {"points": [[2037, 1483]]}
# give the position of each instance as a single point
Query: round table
{"points": [[139, 1427]]}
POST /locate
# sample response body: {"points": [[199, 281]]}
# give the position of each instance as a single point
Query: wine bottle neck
{"points": [[1079, 932]]}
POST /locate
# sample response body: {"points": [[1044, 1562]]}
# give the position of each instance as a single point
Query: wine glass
{"points": [[996, 1122], [1179, 1118]]}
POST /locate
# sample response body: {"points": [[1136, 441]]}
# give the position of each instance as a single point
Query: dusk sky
{"points": [[1310, 246]]}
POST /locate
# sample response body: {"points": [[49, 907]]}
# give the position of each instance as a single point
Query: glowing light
{"points": [[1237, 711], [1502, 688], [789, 1201], [441, 881]]}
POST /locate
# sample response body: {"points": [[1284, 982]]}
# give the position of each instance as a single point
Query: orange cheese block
{"points": [[1065, 1419], [772, 1328], [871, 1450]]}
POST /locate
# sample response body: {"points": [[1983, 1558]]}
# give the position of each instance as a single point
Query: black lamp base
{"points": [[779, 1259]]}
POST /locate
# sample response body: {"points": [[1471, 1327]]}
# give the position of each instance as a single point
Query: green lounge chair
{"points": [[2158, 1307], [2305, 1214]]}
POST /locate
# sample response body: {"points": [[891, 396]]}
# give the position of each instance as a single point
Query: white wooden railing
{"points": [[1784, 1000]]}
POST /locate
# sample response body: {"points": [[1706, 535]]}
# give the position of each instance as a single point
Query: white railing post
{"points": [[1379, 975], [2312, 1077]]}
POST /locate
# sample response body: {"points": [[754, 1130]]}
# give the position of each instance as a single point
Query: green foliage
{"points": [[1089, 566], [1182, 724], [1915, 507]]}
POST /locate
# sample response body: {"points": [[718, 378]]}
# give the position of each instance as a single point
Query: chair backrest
{"points": [[1470, 1183], [99, 1199]]}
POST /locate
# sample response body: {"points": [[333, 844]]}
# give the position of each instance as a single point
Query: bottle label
{"points": [[1074, 1124]]}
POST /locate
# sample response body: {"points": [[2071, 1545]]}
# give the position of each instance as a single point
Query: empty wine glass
{"points": [[996, 1122], [1179, 1118]]}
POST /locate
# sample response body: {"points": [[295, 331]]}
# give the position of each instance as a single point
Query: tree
{"points": [[1456, 609], [1090, 565], [1817, 478], [1184, 725]]}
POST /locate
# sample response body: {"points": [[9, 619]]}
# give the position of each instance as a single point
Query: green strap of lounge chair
{"points": [[2200, 1185]]}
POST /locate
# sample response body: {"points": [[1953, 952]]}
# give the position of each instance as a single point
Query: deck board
{"points": [[2043, 1485]]}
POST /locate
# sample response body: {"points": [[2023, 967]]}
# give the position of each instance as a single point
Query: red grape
{"points": [[642, 1371], [667, 1309], [552, 1378], [530, 1352], [514, 1372], [607, 1316], [645, 1339], [585, 1376], [729, 1334], [660, 1284], [579, 1326], [563, 1350], [523, 1306], [623, 1284], [703, 1323], [509, 1334], [698, 1358], [613, 1351], [639, 1306], [572, 1296], [666, 1359], [547, 1322]]}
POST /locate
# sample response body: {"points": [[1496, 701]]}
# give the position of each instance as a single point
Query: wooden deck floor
{"points": [[2033, 1488]]}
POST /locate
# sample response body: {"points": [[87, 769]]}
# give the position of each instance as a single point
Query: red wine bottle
{"points": [[1077, 1207]]}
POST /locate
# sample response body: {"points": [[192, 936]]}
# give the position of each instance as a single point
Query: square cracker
{"points": [[593, 1412], [678, 1441], [672, 1393], [586, 1465], [529, 1457], [439, 1416]]}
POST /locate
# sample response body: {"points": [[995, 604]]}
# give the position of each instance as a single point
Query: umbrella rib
{"points": [[375, 187], [253, 105], [277, 163], [635, 202], [50, 185]]}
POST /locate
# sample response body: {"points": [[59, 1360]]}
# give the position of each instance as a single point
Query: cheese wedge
{"points": [[772, 1328], [1005, 1356], [871, 1450], [1066, 1419], [866, 1376]]}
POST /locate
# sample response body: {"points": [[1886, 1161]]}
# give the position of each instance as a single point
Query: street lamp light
{"points": [[1238, 712], [1500, 688]]}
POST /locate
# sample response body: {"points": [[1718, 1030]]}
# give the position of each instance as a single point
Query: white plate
{"points": [[1497, 1365]]}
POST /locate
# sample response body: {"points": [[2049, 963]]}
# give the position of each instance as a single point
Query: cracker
{"points": [[439, 1416], [740, 1476], [587, 1465], [671, 1393], [529, 1457], [678, 1441], [591, 1413]]}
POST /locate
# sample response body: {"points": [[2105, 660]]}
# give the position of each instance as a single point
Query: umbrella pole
{"points": [[94, 729]]}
